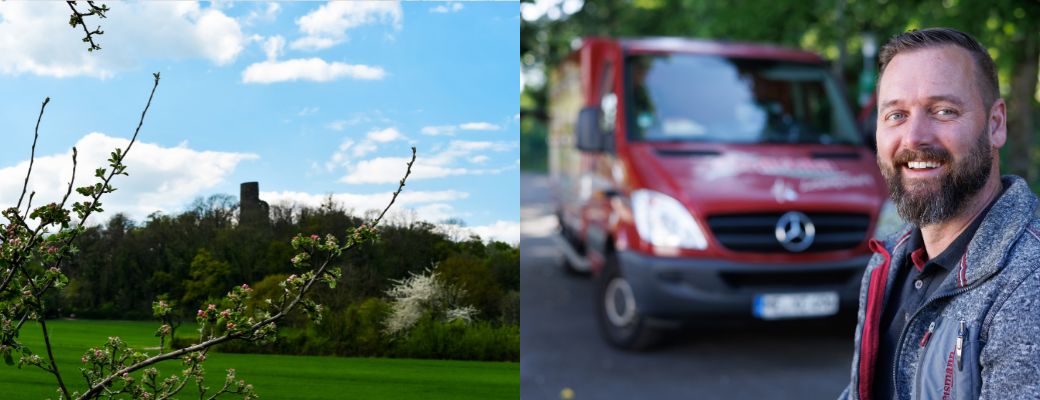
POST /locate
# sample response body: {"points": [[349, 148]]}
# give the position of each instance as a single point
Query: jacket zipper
{"points": [[920, 354], [902, 333]]}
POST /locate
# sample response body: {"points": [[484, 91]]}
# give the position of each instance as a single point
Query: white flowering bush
{"points": [[420, 294]]}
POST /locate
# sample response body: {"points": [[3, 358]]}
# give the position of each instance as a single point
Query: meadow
{"points": [[274, 376]]}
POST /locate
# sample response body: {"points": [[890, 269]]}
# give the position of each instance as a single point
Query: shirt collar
{"points": [[949, 258]]}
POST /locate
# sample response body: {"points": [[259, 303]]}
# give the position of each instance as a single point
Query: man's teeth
{"points": [[922, 164]]}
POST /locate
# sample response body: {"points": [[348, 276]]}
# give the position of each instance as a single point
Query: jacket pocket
{"points": [[948, 368]]}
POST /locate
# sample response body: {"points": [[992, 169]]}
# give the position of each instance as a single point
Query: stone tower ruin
{"points": [[252, 210]]}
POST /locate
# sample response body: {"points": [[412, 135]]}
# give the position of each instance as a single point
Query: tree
{"points": [[209, 277]]}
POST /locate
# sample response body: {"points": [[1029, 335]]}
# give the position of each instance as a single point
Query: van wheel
{"points": [[621, 323]]}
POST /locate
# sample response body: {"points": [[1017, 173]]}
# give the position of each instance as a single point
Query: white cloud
{"points": [[307, 111], [338, 125], [478, 159], [269, 14], [430, 206], [161, 178], [328, 25], [364, 202], [436, 212], [448, 130], [363, 148], [312, 43], [439, 130], [310, 69], [438, 165], [339, 158], [35, 38], [479, 126], [385, 135], [502, 231], [447, 8], [274, 46]]}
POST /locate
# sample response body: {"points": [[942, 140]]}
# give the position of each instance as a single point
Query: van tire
{"points": [[621, 323]]}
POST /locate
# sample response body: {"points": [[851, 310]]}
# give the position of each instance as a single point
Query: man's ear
{"points": [[997, 123]]}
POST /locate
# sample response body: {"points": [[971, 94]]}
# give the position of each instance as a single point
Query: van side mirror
{"points": [[589, 135]]}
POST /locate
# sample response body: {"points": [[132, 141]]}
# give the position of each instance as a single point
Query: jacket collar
{"points": [[1009, 217], [1005, 221]]}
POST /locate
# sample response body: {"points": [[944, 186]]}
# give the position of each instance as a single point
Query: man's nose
{"points": [[919, 131]]}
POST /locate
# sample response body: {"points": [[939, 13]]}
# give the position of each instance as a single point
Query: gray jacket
{"points": [[978, 336]]}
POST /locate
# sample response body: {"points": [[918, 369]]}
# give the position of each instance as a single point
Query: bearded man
{"points": [[950, 305]]}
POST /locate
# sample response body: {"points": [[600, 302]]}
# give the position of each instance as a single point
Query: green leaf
{"points": [[8, 359]]}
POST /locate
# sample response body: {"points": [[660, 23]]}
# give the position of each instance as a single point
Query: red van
{"points": [[700, 179]]}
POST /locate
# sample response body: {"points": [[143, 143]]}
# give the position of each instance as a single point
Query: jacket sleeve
{"points": [[1010, 358]]}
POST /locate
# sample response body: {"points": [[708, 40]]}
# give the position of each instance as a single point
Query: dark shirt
{"points": [[916, 282]]}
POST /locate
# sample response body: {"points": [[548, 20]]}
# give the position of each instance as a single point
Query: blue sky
{"points": [[309, 99]]}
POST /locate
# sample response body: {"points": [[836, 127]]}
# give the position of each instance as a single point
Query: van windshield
{"points": [[681, 97]]}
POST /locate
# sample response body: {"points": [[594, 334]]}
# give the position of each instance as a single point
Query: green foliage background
{"points": [[1010, 29]]}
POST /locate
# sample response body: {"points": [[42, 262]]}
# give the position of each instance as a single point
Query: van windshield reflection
{"points": [[726, 100]]}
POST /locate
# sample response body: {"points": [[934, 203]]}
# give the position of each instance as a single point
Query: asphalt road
{"points": [[563, 356]]}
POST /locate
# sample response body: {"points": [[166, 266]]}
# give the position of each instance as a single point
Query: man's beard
{"points": [[925, 202]]}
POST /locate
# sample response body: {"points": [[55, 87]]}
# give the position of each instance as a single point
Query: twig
{"points": [[32, 154], [71, 181], [77, 19], [50, 355], [399, 188]]}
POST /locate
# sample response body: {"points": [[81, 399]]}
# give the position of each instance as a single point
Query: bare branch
{"points": [[32, 154], [399, 188], [50, 355]]}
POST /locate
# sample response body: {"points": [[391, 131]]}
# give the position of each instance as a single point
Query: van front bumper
{"points": [[688, 287]]}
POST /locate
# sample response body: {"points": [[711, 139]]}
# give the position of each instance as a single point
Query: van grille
{"points": [[757, 232]]}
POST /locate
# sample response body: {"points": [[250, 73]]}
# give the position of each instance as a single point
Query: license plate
{"points": [[795, 305]]}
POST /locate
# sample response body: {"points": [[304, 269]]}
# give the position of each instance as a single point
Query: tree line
{"points": [[196, 256]]}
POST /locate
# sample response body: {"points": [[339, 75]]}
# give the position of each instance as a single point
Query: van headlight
{"points": [[664, 222], [889, 221]]}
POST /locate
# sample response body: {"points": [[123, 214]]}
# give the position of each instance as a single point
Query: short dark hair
{"points": [[936, 37]]}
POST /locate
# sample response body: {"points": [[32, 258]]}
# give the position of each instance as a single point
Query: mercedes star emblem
{"points": [[795, 231]]}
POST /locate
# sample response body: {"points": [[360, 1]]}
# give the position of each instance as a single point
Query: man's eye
{"points": [[946, 112], [896, 116]]}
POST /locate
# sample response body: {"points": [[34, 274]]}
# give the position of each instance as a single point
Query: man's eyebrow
{"points": [[947, 98], [931, 99], [888, 104]]}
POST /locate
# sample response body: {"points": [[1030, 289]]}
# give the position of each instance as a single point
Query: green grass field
{"points": [[274, 376]]}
